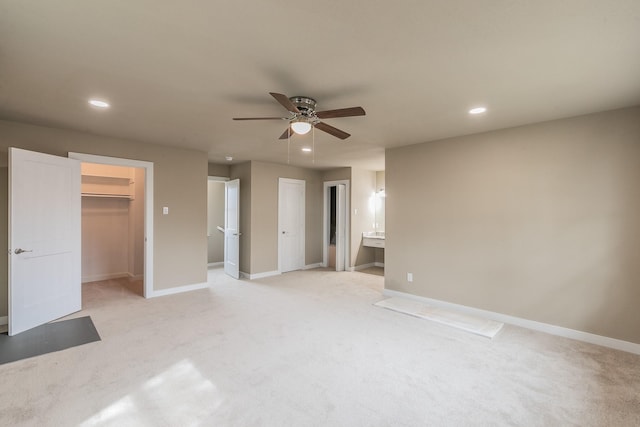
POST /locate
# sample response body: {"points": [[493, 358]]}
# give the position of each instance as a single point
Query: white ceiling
{"points": [[177, 72]]}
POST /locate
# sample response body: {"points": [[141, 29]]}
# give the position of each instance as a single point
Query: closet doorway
{"points": [[117, 221]]}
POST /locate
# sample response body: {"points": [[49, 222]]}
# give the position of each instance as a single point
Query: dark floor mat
{"points": [[47, 338]]}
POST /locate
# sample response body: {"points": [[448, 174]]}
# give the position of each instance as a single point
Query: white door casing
{"points": [[341, 219], [232, 228], [342, 213], [291, 224], [148, 287], [44, 238]]}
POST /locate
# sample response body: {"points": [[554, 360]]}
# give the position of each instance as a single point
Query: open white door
{"points": [[341, 220], [44, 238], [232, 228]]}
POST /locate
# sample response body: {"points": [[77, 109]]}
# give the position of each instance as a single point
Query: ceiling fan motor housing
{"points": [[306, 105]]}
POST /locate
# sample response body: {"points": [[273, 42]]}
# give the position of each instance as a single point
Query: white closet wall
{"points": [[112, 222]]}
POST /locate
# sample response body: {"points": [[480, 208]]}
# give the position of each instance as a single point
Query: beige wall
{"points": [[338, 174], [215, 214], [216, 169], [259, 213], [363, 187], [540, 222], [380, 176], [264, 216], [105, 238], [180, 246]]}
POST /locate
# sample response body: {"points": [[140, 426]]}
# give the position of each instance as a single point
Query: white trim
{"points": [[107, 276], [218, 178], [261, 275], [4, 320], [362, 266], [244, 275], [215, 264], [179, 289], [525, 323], [136, 276], [347, 226], [148, 207], [312, 266], [379, 264]]}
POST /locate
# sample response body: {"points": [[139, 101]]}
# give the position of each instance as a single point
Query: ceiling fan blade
{"points": [[341, 112], [331, 130], [259, 118], [285, 102], [286, 133]]}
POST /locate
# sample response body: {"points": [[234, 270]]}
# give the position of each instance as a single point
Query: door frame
{"points": [[148, 207], [326, 217], [303, 227], [228, 236], [221, 180]]}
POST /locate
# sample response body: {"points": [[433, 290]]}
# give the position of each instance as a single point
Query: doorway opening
{"points": [[215, 221], [223, 227], [335, 253], [112, 215], [117, 221]]}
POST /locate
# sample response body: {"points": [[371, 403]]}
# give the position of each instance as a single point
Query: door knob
{"points": [[19, 251]]}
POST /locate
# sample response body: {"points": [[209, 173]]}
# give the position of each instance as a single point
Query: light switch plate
{"points": [[165, 210]]}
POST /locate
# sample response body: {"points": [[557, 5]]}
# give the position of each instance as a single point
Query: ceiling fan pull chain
{"points": [[289, 145], [313, 145]]}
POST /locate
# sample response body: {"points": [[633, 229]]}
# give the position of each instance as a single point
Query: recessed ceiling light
{"points": [[228, 158], [306, 149], [99, 103], [478, 110]]}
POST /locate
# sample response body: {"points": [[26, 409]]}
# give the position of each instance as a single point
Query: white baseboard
{"points": [[136, 276], [379, 264], [178, 290], [4, 320], [215, 264], [312, 266], [362, 266], [108, 276], [525, 323], [261, 275]]}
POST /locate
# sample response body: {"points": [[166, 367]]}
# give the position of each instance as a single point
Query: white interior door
{"points": [[291, 195], [232, 228], [44, 238], [341, 221]]}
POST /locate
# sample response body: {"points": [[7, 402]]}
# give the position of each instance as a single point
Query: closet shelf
{"points": [[109, 196], [96, 177]]}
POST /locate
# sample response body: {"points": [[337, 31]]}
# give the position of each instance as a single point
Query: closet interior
{"points": [[113, 223]]}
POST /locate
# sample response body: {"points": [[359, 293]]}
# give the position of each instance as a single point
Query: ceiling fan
{"points": [[303, 116]]}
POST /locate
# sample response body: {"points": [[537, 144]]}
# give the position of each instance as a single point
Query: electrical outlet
{"points": [[409, 277]]}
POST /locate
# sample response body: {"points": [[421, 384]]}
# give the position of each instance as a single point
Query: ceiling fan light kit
{"points": [[300, 126], [303, 116]]}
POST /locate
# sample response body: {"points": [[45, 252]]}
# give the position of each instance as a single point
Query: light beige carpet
{"points": [[309, 349], [483, 327]]}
